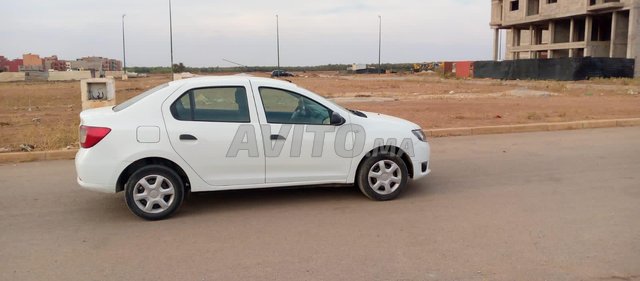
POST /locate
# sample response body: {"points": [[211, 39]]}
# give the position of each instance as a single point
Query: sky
{"points": [[207, 31]]}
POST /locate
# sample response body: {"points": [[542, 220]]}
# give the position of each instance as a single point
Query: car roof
{"points": [[230, 78]]}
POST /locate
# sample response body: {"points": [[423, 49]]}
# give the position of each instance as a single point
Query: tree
{"points": [[178, 68]]}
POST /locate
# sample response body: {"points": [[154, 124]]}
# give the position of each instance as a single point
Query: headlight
{"points": [[420, 135]]}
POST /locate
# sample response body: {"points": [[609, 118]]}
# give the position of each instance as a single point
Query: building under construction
{"points": [[539, 29]]}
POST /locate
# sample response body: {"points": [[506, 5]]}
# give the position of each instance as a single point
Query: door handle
{"points": [[277, 137], [187, 137]]}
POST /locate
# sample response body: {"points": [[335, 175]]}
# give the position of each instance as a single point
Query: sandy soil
{"points": [[45, 114]]}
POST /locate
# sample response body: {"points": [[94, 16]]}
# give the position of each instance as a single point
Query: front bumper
{"points": [[420, 160]]}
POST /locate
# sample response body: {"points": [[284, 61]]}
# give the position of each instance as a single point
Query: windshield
{"points": [[336, 104], [137, 98]]}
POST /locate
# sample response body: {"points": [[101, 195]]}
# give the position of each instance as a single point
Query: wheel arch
{"points": [[133, 167], [388, 149]]}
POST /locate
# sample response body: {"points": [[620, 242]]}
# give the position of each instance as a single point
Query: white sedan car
{"points": [[240, 132]]}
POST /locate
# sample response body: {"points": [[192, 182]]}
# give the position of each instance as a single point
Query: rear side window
{"points": [[219, 104], [181, 109], [139, 97]]}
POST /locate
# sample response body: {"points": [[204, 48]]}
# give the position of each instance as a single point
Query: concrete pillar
{"points": [[552, 39], [588, 28], [552, 32], [515, 41], [496, 43], [614, 25], [531, 39], [633, 38], [571, 34]]}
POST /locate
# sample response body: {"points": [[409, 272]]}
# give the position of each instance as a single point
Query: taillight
{"points": [[90, 136]]}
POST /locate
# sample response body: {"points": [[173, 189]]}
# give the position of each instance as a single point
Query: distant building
{"points": [[112, 65], [10, 65], [567, 28], [15, 65], [96, 64], [357, 66], [31, 62], [3, 64], [52, 63]]}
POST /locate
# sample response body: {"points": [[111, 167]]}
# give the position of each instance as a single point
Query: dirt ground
{"points": [[45, 114]]}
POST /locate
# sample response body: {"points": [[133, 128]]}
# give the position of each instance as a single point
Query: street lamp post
{"points": [[278, 40], [124, 53], [379, 44], [171, 38]]}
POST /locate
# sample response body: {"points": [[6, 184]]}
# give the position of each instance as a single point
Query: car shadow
{"points": [[234, 200], [113, 208]]}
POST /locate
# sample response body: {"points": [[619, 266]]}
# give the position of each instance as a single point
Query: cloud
{"points": [[330, 31], [358, 7]]}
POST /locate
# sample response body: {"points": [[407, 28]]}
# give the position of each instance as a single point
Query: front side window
{"points": [[219, 104], [284, 107]]}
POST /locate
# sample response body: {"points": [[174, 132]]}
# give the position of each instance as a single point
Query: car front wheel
{"points": [[382, 177], [154, 192]]}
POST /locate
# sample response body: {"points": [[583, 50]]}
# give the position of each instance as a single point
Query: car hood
{"points": [[390, 120]]}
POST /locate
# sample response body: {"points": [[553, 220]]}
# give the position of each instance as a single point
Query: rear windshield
{"points": [[137, 98]]}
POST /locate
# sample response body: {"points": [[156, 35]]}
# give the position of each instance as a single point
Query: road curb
{"points": [[535, 127], [14, 157]]}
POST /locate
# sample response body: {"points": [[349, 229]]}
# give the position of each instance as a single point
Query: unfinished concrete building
{"points": [[567, 28]]}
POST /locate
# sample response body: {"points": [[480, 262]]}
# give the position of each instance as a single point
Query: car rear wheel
{"points": [[154, 192], [382, 177]]}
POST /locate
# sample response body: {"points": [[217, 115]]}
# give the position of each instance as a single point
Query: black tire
{"points": [[155, 193], [364, 183]]}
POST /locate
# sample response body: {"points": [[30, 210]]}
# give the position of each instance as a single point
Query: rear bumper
{"points": [[96, 187], [96, 175]]}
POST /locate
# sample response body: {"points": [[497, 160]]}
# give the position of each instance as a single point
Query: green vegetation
{"points": [[400, 67], [178, 68]]}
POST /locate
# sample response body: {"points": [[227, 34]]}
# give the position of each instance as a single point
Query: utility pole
{"points": [[379, 44], [124, 53], [171, 38], [278, 40]]}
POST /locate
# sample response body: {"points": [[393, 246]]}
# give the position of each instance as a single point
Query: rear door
{"points": [[202, 120]]}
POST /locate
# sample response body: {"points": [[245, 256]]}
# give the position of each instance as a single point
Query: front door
{"points": [[298, 139]]}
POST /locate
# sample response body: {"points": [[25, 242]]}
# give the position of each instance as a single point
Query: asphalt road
{"points": [[534, 206]]}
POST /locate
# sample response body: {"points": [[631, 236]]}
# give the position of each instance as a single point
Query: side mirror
{"points": [[336, 119]]}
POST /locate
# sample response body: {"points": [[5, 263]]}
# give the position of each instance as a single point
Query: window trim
{"points": [[292, 92], [192, 104]]}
